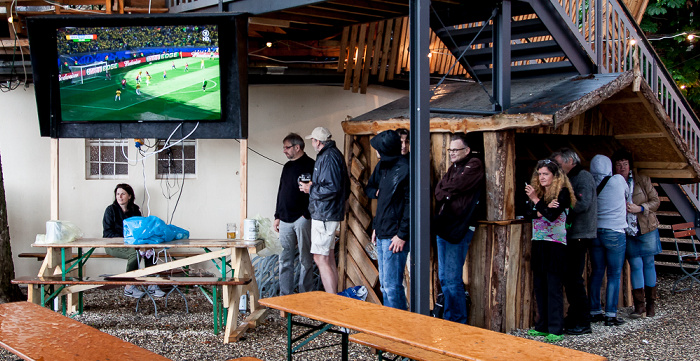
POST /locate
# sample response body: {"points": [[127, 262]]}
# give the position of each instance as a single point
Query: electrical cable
{"points": [[264, 156]]}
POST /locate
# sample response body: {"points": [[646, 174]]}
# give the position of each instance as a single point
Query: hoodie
{"points": [[612, 199], [389, 184]]}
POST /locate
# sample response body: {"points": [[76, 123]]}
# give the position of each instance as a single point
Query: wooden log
{"points": [[440, 124], [499, 163], [342, 259]]}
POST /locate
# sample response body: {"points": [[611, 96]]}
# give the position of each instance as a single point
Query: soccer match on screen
{"points": [[150, 73]]}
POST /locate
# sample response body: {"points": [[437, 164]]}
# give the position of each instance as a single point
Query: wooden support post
{"points": [[244, 184]]}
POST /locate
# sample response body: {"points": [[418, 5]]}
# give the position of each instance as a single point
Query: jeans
{"points": [[642, 268], [608, 251], [577, 314], [296, 237], [451, 258], [391, 269]]}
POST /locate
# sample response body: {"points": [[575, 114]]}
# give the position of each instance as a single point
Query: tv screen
{"points": [[140, 76]]}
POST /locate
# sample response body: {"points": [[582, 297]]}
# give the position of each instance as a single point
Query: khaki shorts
{"points": [[323, 236]]}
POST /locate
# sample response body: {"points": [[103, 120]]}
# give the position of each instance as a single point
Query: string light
{"points": [[268, 44]]}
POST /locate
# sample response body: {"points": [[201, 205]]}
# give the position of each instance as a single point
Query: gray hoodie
{"points": [[612, 200]]}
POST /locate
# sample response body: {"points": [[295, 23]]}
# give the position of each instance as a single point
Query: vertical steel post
{"points": [[419, 23], [501, 57], [599, 35]]}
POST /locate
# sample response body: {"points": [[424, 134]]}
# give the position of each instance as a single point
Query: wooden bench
{"points": [[41, 256], [135, 281], [397, 348], [33, 332]]}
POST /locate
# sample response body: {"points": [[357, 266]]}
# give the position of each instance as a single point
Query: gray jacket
{"points": [[612, 200], [583, 217]]}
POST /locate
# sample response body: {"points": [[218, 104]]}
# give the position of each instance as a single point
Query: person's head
{"points": [[566, 158], [549, 179], [459, 149], [622, 163], [293, 146], [405, 140], [124, 196], [387, 144], [319, 138]]}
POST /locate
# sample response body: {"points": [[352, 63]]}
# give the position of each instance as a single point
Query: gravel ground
{"points": [[179, 336]]}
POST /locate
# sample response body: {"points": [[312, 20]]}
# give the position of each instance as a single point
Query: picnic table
{"points": [[414, 330], [231, 257], [36, 333]]}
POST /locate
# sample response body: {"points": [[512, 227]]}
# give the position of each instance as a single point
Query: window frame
{"points": [[101, 143], [182, 159]]}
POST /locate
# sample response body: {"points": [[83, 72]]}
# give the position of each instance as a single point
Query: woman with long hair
{"points": [[550, 198]]}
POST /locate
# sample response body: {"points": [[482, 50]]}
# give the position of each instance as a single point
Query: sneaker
{"points": [[133, 291], [155, 291], [578, 330], [613, 321], [598, 317]]}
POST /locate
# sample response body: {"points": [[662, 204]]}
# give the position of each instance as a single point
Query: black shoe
{"points": [[613, 321], [598, 317], [578, 330]]}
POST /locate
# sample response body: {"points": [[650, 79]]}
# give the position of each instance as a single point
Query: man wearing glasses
{"points": [[292, 217], [457, 195]]}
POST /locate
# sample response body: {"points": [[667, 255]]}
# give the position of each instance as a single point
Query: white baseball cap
{"points": [[320, 133]]}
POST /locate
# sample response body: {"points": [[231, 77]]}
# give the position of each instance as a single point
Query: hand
{"points": [[396, 244], [530, 191], [276, 225], [374, 237], [305, 187], [553, 204], [633, 208], [377, 194]]}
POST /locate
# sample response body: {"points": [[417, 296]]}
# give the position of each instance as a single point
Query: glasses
{"points": [[285, 147], [455, 150]]}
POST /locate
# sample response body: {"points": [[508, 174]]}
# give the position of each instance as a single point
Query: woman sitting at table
{"points": [[550, 197], [122, 208]]}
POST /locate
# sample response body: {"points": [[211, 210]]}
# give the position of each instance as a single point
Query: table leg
{"points": [[344, 337], [289, 337]]}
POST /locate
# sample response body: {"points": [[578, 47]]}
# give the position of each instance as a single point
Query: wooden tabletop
{"points": [[36, 333], [182, 243], [437, 335]]}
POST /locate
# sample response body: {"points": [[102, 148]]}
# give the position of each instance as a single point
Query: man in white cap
{"points": [[328, 190]]}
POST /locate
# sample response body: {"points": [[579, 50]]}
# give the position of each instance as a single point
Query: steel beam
{"points": [[500, 83], [419, 103]]}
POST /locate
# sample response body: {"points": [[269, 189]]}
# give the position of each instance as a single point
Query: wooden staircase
{"points": [[668, 214]]}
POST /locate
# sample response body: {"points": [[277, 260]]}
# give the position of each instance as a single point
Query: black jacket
{"points": [[291, 202], [391, 178], [455, 197], [113, 220], [330, 186]]}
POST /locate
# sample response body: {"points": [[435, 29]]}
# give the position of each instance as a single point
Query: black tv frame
{"points": [[233, 64]]}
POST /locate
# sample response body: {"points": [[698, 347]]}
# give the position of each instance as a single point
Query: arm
{"points": [[586, 194], [328, 183], [109, 226], [469, 178], [653, 202], [372, 188], [553, 213]]}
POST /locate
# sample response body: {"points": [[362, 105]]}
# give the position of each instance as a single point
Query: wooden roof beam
{"points": [[669, 173], [641, 136], [661, 165]]}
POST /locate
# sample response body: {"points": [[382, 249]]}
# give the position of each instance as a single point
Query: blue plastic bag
{"points": [[357, 292], [150, 230]]}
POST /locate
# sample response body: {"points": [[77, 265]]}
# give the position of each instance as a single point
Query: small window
{"points": [[106, 158], [177, 160]]}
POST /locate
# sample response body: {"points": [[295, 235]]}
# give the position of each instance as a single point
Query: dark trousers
{"points": [[547, 281], [579, 308]]}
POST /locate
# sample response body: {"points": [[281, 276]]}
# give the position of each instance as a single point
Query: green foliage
{"points": [[681, 56]]}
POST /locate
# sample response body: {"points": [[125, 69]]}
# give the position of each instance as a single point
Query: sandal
{"points": [[552, 338], [537, 333]]}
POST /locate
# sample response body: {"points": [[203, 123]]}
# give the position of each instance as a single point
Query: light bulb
{"points": [[691, 36], [268, 44]]}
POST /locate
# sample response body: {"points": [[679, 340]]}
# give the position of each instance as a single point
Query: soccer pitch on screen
{"points": [[177, 94]]}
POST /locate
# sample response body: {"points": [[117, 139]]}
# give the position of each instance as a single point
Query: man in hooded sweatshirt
{"points": [[608, 251], [389, 185]]}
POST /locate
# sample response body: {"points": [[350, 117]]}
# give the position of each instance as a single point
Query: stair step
{"points": [[519, 30], [519, 52], [664, 199], [668, 213], [664, 226], [530, 69]]}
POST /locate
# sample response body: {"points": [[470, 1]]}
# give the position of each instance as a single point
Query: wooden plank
{"points": [[640, 136], [356, 168], [512, 266], [357, 189], [344, 53], [403, 47], [363, 262], [359, 232], [385, 50], [434, 57], [357, 278], [368, 58], [360, 213], [342, 257], [378, 46], [244, 183], [351, 58], [499, 163], [394, 49], [361, 58], [55, 166], [398, 348]]}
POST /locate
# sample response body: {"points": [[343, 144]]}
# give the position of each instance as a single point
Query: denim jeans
{"points": [[641, 258], [608, 251], [391, 269], [451, 258], [296, 237]]}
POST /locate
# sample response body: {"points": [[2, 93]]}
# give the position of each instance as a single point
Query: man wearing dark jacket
{"points": [[292, 217], [457, 195], [579, 237], [389, 184], [328, 190]]}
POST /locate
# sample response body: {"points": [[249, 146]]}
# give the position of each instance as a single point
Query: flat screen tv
{"points": [[140, 76]]}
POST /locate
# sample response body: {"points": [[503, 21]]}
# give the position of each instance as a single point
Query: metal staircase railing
{"points": [[611, 36]]}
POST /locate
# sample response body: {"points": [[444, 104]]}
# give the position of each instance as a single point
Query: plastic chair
{"points": [[688, 261]]}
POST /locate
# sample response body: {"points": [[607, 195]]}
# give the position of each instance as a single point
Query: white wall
{"points": [[207, 203]]}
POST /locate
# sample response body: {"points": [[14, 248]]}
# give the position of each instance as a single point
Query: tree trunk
{"points": [[8, 291]]}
